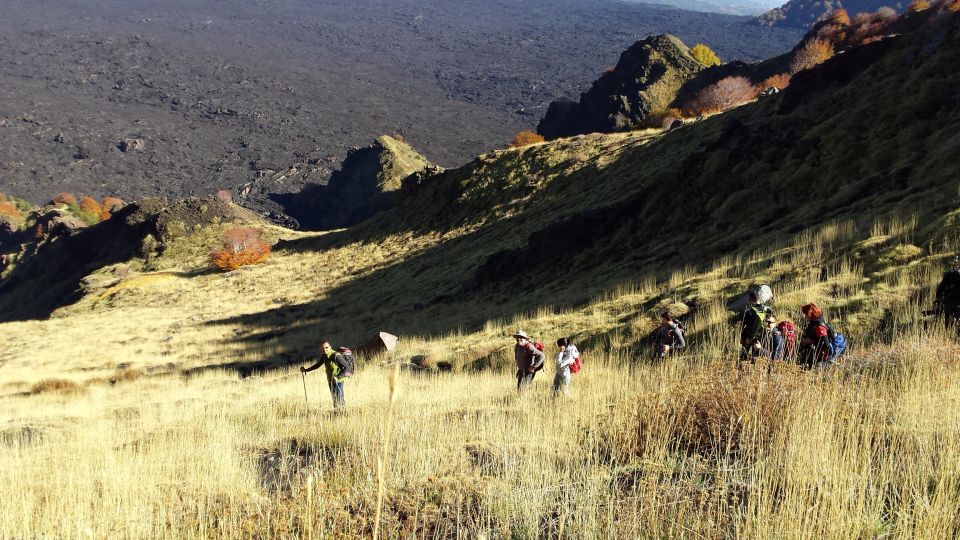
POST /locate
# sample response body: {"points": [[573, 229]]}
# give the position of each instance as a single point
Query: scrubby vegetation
{"points": [[242, 246], [525, 138], [705, 55]]}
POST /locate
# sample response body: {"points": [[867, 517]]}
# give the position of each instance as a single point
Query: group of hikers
{"points": [[762, 337]]}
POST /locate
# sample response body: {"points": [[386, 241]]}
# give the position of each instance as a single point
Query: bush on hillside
{"points": [[724, 94], [112, 204], [54, 385], [525, 138], [839, 16], [779, 81], [918, 5], [8, 208], [871, 25], [90, 210], [242, 246], [952, 6], [225, 195], [812, 53], [65, 198], [705, 55]]}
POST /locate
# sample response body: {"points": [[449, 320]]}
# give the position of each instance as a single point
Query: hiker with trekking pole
{"points": [[529, 357], [338, 364]]}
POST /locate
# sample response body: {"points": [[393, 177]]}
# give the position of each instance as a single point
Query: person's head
{"points": [[754, 297], [326, 347], [564, 342], [521, 337], [811, 311], [666, 317], [770, 321]]}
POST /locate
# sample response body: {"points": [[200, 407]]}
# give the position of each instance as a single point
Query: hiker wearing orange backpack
{"points": [[568, 362], [529, 357]]}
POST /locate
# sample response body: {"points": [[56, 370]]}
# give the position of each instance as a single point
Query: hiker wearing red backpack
{"points": [[668, 336], [568, 362], [781, 340], [821, 344], [529, 357]]}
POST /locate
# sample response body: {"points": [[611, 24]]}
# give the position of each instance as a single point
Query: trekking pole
{"points": [[305, 400]]}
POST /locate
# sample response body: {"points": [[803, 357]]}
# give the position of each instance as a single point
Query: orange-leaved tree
{"points": [[525, 138], [721, 95], [778, 81], [90, 206], [8, 208], [110, 205], [64, 198], [812, 53], [241, 246], [839, 16], [918, 5]]}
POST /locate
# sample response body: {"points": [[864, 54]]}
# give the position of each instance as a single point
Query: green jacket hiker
{"points": [[338, 366]]}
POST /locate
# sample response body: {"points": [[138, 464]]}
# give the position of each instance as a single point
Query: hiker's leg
{"points": [[340, 399], [520, 374], [565, 384]]}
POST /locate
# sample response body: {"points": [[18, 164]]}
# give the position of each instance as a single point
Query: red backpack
{"points": [[576, 365], [789, 339]]}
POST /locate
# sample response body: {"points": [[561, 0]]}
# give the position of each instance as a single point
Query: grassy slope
{"points": [[852, 454]]}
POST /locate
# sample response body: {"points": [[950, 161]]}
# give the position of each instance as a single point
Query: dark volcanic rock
{"points": [[645, 81]]}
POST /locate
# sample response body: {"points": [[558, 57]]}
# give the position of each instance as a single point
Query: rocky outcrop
{"points": [[366, 183], [644, 82]]}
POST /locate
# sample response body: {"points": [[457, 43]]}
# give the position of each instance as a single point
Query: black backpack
{"points": [[346, 367]]}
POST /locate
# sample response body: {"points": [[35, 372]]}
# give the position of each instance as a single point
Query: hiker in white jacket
{"points": [[565, 358]]}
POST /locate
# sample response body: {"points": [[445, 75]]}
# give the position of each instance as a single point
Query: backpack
{"points": [[789, 332], [836, 343], [346, 369], [576, 365]]}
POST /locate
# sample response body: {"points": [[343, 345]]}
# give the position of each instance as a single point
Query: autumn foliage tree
{"points": [[525, 138], [918, 6], [705, 55], [839, 16], [8, 208], [778, 81], [65, 198], [109, 206], [814, 52], [241, 246], [722, 95]]}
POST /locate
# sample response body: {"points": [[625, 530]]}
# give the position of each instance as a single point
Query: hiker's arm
{"points": [[566, 358], [538, 357], [313, 367]]}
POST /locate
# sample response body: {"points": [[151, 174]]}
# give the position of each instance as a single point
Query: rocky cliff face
{"points": [[645, 81], [364, 185]]}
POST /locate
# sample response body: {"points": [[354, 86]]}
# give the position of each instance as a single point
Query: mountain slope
{"points": [[805, 13]]}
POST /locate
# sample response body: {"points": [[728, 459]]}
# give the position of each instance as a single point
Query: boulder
{"points": [[132, 145]]}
